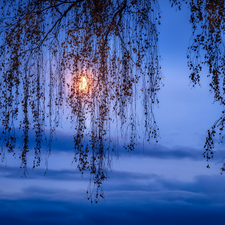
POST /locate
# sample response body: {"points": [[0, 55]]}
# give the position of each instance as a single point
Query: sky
{"points": [[157, 184]]}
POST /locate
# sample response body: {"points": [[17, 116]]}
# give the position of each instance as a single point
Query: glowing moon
{"points": [[83, 83]]}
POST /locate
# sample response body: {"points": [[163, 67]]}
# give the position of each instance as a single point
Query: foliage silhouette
{"points": [[208, 26], [49, 47], [95, 62]]}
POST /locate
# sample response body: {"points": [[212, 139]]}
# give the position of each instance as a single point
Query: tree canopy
{"points": [[97, 59], [207, 48], [95, 62]]}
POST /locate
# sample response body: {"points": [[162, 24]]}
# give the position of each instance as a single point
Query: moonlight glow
{"points": [[83, 84]]}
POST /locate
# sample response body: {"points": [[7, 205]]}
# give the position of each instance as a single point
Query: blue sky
{"points": [[167, 183]]}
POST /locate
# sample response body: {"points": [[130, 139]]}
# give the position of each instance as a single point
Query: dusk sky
{"points": [[157, 184]]}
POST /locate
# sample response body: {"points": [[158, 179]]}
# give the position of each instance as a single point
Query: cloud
{"points": [[42, 211], [63, 142], [162, 152], [203, 189], [130, 198]]}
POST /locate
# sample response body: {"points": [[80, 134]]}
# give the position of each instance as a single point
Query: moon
{"points": [[83, 83]]}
